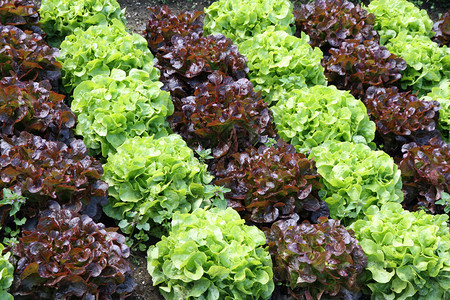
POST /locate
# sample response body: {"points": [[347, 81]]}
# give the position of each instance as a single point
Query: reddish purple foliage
{"points": [[329, 23], [442, 30], [224, 115], [42, 170], [20, 13], [163, 25], [270, 184], [315, 259], [190, 59], [356, 66], [425, 175], [401, 118], [68, 255], [27, 56], [33, 107]]}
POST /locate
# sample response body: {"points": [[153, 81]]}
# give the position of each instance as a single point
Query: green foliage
{"points": [[307, 118], [240, 20], [445, 201], [279, 61], [395, 16], [12, 202], [211, 254], [356, 177], [60, 18], [112, 108], [150, 179], [441, 94], [6, 274], [100, 49], [408, 253], [428, 64]]}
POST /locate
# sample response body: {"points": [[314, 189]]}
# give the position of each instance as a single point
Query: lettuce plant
{"points": [[400, 118], [163, 25], [396, 16], [150, 179], [6, 274], [428, 64], [442, 30], [441, 94], [408, 253], [42, 170], [307, 118], [27, 56], [68, 255], [190, 59], [223, 115], [357, 65], [10, 223], [354, 177], [211, 254], [271, 183], [241, 20], [60, 18], [100, 49], [315, 259], [279, 60], [426, 175], [33, 107], [330, 22], [112, 108], [20, 13]]}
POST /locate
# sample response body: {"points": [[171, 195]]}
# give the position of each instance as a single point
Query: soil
{"points": [[137, 16]]}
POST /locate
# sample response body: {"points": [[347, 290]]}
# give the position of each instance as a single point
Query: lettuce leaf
{"points": [[354, 177], [211, 254], [396, 16], [112, 108], [408, 253], [279, 61], [307, 118], [100, 49], [60, 18], [150, 179], [240, 20]]}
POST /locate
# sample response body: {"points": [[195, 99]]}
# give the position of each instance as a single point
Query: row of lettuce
{"points": [[157, 187], [360, 186], [51, 187]]}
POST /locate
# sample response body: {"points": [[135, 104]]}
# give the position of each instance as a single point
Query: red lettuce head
{"points": [[68, 255], [163, 25], [426, 175], [272, 183], [315, 259]]}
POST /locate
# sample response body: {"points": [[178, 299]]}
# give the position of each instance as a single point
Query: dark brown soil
{"points": [[144, 287]]}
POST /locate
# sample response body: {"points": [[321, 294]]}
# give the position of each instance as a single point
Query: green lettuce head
{"points": [[354, 177], [150, 179], [395, 16], [60, 18], [307, 118], [408, 253], [427, 63], [240, 20], [211, 254], [100, 49], [441, 94], [279, 61], [111, 109], [6, 274]]}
